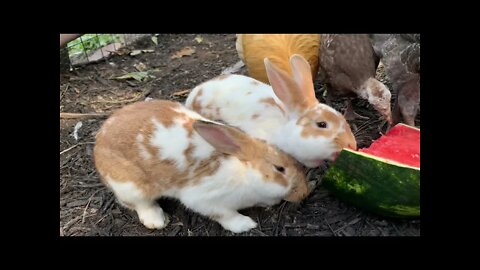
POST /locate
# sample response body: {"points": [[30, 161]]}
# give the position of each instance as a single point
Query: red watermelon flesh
{"points": [[400, 144]]}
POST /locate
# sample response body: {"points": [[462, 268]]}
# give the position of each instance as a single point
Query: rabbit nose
{"points": [[352, 146]]}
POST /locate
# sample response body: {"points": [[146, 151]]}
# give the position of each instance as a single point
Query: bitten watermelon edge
{"points": [[381, 185]]}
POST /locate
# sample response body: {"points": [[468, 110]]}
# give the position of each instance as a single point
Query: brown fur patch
{"points": [[147, 133], [309, 122], [271, 102], [167, 122], [263, 158], [188, 125], [188, 152], [280, 179], [346, 139], [117, 156], [293, 171], [153, 151], [310, 129], [196, 106], [255, 116], [207, 167]]}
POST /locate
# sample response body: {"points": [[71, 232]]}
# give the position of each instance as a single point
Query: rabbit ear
{"points": [[282, 84], [302, 74], [223, 138], [287, 89]]}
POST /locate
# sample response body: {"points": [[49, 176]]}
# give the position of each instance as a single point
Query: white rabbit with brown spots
{"points": [[285, 114], [155, 149]]}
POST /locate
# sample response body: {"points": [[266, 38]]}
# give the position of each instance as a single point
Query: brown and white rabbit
{"points": [[285, 114], [155, 149]]}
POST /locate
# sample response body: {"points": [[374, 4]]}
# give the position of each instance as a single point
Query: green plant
{"points": [[89, 42]]}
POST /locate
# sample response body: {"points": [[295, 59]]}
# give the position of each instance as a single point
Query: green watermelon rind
{"points": [[375, 184]]}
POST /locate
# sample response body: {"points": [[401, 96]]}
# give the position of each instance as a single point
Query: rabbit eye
{"points": [[322, 124], [279, 168]]}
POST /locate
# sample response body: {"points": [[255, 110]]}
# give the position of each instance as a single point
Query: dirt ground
{"points": [[87, 208]]}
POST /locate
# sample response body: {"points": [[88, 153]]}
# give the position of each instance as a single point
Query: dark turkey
{"points": [[400, 55], [348, 66]]}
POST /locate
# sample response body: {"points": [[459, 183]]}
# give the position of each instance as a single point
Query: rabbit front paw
{"points": [[238, 223], [152, 217]]}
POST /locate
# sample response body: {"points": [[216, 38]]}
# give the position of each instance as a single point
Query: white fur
{"points": [[238, 99], [224, 192], [152, 216], [202, 150], [243, 189], [171, 141], [141, 147], [143, 152], [125, 191], [149, 213], [382, 103], [235, 104], [306, 150]]}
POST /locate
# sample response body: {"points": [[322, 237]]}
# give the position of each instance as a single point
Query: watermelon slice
{"points": [[383, 178]]}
